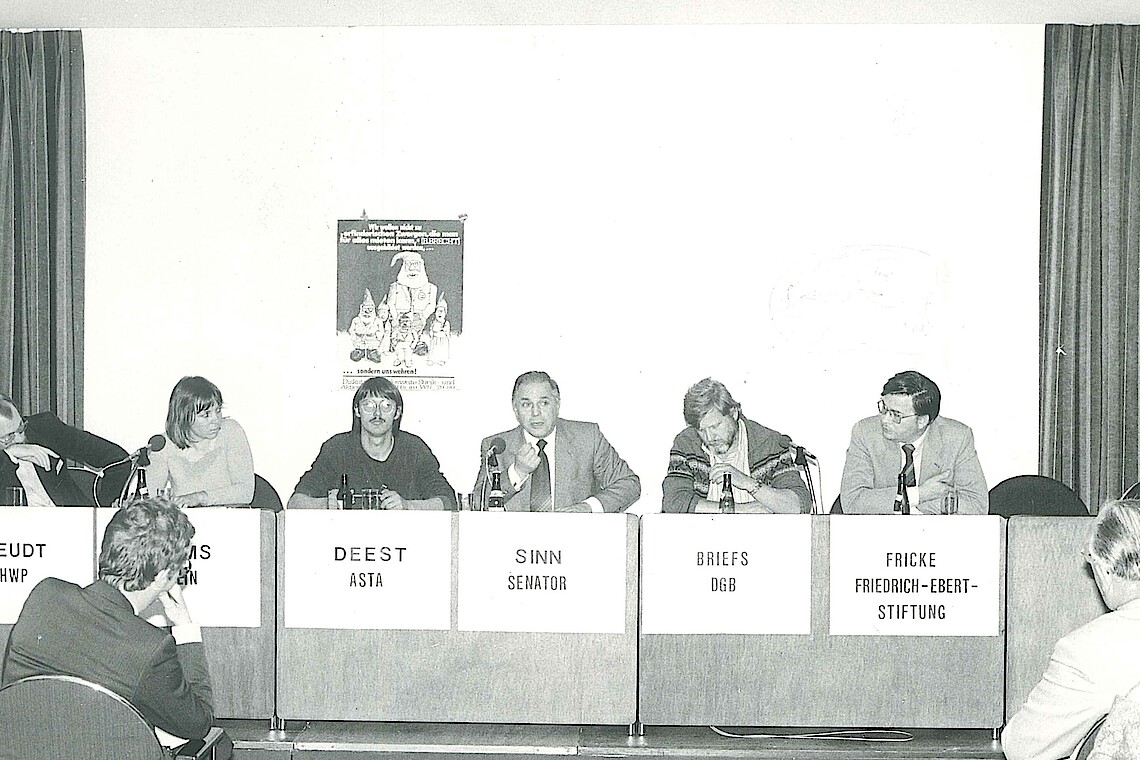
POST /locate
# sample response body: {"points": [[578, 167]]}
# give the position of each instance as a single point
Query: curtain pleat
{"points": [[1090, 265], [42, 221]]}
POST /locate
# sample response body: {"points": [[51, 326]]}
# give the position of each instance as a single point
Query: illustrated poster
{"points": [[399, 301]]}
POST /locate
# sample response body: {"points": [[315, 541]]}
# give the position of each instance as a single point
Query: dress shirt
{"points": [[517, 479]]}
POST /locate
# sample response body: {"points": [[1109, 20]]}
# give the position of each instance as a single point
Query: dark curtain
{"points": [[42, 221], [1090, 262]]}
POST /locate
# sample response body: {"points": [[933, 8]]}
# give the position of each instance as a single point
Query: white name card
{"points": [[937, 576], [38, 542], [552, 572], [367, 569], [222, 585], [726, 574]]}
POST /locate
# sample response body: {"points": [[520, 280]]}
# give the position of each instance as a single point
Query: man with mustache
{"points": [[720, 440]]}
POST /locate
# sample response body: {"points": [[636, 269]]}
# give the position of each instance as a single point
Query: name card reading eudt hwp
{"points": [[38, 542], [920, 576], [726, 574], [552, 572], [222, 581], [368, 569]]}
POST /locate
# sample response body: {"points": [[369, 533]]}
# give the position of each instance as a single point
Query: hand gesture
{"points": [[739, 479], [934, 488], [389, 499], [175, 606], [40, 456], [526, 461]]}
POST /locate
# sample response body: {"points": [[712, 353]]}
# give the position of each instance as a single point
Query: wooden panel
{"points": [[243, 660], [463, 676], [1051, 592], [823, 680]]}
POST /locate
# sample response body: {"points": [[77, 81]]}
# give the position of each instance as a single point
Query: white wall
{"points": [[797, 211]]}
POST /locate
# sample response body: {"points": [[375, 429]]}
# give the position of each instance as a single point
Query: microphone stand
{"points": [[802, 460], [490, 461]]}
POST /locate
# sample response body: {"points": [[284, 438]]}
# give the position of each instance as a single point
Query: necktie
{"points": [[908, 466], [540, 500]]}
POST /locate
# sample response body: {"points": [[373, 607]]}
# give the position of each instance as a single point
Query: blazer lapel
{"points": [[932, 453]]}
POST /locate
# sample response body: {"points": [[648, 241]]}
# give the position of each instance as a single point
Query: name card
{"points": [[542, 572], [38, 542], [726, 574], [937, 576], [367, 569], [222, 583]]}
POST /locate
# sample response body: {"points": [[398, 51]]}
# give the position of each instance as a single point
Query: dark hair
{"points": [[921, 389], [191, 395], [378, 386], [145, 537], [704, 396], [534, 375]]}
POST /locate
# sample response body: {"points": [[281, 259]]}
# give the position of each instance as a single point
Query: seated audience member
{"points": [[1096, 663], [719, 439], [35, 448], [936, 453], [210, 462], [1119, 737], [95, 632], [376, 454], [554, 465]]}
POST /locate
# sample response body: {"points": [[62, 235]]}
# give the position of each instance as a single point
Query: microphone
{"points": [[142, 456], [498, 446], [803, 456]]}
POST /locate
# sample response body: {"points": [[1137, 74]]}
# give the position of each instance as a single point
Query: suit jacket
{"points": [[1088, 670], [45, 429], [871, 472], [93, 633], [585, 465]]}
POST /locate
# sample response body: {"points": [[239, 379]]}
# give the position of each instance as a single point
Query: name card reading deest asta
{"points": [[932, 576], [38, 542], [367, 569], [222, 582], [551, 572], [726, 574]]}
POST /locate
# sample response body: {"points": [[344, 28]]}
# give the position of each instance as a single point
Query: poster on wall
{"points": [[399, 310]]}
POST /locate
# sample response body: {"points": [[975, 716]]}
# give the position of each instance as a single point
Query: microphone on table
{"points": [[802, 458], [142, 456], [498, 446]]}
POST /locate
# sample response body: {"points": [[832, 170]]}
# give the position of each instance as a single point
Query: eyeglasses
{"points": [[9, 437], [896, 417], [385, 405]]}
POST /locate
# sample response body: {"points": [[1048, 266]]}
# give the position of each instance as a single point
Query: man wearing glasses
{"points": [[384, 466], [35, 448], [908, 440]]}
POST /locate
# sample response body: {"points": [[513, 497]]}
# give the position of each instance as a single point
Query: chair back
{"points": [[837, 505], [1133, 492], [265, 495], [1035, 495], [63, 717], [1085, 748]]}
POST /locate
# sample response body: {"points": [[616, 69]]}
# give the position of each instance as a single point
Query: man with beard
{"points": [[908, 436], [720, 440], [554, 465], [376, 455]]}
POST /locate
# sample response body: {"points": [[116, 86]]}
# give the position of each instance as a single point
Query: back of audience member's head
{"points": [[704, 396], [143, 538], [1115, 541], [191, 395], [922, 390]]}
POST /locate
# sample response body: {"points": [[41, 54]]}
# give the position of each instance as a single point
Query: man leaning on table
{"points": [[549, 464], [719, 439], [908, 435]]}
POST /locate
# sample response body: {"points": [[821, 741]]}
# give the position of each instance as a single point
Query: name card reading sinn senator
{"points": [[37, 542], [726, 574], [551, 572], [366, 569], [222, 582], [934, 576]]}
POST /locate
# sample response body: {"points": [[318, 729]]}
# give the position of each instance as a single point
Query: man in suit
{"points": [[34, 452], [96, 633], [908, 436], [554, 465]]}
